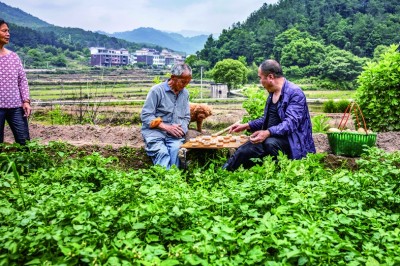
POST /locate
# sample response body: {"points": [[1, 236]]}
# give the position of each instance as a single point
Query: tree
{"points": [[287, 37], [252, 73], [305, 54], [59, 61], [341, 65], [210, 51], [230, 71], [265, 33], [379, 92], [336, 31], [196, 64]]}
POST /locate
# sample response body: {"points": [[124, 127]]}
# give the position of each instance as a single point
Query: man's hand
{"points": [[174, 130], [27, 109], [238, 127], [259, 136]]}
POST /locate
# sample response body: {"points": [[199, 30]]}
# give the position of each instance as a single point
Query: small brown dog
{"points": [[199, 112]]}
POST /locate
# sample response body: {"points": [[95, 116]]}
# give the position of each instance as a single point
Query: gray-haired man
{"points": [[166, 116]]}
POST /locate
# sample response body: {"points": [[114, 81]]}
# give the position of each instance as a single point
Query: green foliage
{"points": [[59, 117], [342, 105], [242, 59], [33, 156], [379, 92], [230, 71], [341, 65], [255, 103], [349, 25], [286, 38], [320, 123], [331, 106], [83, 211], [194, 93], [326, 40], [328, 84], [59, 61], [197, 66], [303, 53], [252, 73], [294, 72], [379, 51], [157, 80]]}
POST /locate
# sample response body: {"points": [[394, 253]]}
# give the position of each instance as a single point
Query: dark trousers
{"points": [[270, 147], [18, 124]]}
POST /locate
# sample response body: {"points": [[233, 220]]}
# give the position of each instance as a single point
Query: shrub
{"points": [[59, 117], [379, 92], [341, 106], [329, 107], [327, 84], [255, 103], [320, 123], [335, 107]]}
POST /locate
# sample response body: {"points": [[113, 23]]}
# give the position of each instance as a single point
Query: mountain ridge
{"points": [[172, 40], [19, 17]]}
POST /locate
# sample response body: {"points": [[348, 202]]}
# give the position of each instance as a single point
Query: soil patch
{"points": [[120, 136]]}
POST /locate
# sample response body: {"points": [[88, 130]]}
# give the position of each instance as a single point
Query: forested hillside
{"points": [[17, 16], [322, 43], [356, 26]]}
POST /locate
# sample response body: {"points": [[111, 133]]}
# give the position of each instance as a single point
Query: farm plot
{"points": [[83, 210], [127, 84]]}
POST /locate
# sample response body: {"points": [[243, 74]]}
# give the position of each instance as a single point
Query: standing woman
{"points": [[14, 91]]}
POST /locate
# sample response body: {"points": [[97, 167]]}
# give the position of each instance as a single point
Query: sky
{"points": [[202, 16]]}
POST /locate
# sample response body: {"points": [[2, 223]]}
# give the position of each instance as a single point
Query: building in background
{"points": [[100, 56], [219, 90], [144, 56], [156, 58]]}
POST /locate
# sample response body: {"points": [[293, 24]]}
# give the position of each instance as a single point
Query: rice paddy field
{"points": [[118, 94]]}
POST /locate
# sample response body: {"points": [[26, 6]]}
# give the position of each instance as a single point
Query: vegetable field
{"points": [[62, 208]]}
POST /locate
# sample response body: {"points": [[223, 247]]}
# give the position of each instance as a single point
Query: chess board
{"points": [[215, 142]]}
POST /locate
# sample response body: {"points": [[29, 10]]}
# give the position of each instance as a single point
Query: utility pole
{"points": [[201, 82]]}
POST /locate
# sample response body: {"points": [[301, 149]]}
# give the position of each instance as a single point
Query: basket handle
{"points": [[353, 106]]}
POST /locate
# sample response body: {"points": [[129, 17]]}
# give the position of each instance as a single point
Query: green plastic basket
{"points": [[349, 143]]}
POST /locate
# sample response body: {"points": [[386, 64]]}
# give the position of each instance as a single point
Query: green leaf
{"points": [[138, 226], [302, 261], [34, 262], [169, 262], [372, 262]]}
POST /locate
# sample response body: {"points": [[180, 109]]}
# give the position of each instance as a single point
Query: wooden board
{"points": [[215, 142]]}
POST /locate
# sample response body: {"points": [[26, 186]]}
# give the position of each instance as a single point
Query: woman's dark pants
{"points": [[17, 122]]}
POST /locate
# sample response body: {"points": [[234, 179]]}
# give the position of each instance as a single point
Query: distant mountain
{"points": [[192, 33], [30, 31], [174, 41], [21, 18]]}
